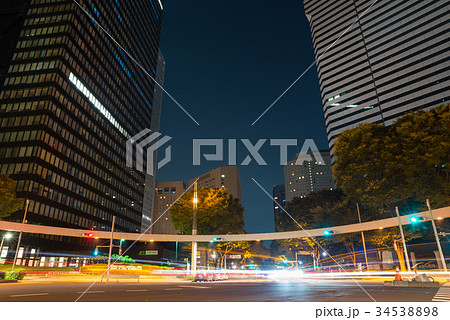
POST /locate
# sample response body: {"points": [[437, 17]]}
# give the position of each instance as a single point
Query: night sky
{"points": [[226, 62]]}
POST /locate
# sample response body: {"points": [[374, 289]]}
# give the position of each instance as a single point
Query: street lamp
{"points": [[6, 236], [194, 230]]}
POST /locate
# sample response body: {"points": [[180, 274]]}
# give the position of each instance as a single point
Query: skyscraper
{"points": [[70, 100], [166, 193], [222, 177], [279, 195], [394, 59], [312, 175]]}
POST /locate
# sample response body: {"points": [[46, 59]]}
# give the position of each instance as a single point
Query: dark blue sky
{"points": [[226, 62]]}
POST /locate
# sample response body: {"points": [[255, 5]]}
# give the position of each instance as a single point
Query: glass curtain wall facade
{"points": [[70, 100], [394, 59]]}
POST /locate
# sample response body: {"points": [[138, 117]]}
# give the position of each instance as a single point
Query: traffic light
{"points": [[88, 234], [217, 239], [415, 219], [96, 252], [328, 232]]}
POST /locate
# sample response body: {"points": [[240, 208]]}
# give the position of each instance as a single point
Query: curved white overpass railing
{"points": [[441, 213]]}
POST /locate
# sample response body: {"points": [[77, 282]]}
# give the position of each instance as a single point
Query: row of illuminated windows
{"points": [[20, 122], [29, 79], [166, 190], [43, 30], [53, 7], [46, 19], [18, 136], [24, 93], [34, 54], [35, 66], [33, 43]]}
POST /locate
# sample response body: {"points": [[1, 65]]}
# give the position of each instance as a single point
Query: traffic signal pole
{"points": [[363, 240], [444, 264], [20, 236], [111, 244], [403, 240]]}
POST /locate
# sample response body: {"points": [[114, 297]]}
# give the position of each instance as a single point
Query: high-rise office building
{"points": [[166, 193], [311, 175], [222, 177], [279, 195], [70, 99], [394, 59]]}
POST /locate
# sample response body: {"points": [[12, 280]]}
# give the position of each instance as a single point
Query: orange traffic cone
{"points": [[398, 277]]}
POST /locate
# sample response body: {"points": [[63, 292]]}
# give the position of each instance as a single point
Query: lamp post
{"points": [[6, 236], [194, 231], [363, 240], [403, 239], [20, 236], [444, 265]]}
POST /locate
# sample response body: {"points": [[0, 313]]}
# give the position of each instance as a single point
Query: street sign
{"points": [[149, 253], [233, 256]]}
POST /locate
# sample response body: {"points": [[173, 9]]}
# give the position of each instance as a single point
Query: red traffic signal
{"points": [[89, 235]]}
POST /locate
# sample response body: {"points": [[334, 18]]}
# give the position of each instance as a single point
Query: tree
{"points": [[225, 248], [400, 165], [217, 213], [8, 201]]}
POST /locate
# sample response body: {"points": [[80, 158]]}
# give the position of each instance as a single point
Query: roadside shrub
{"points": [[14, 275], [2, 275]]}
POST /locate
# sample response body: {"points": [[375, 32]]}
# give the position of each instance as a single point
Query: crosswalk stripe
{"points": [[443, 294]]}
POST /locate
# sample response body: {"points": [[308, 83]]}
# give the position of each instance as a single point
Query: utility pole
{"points": [[20, 235], [194, 231], [363, 240], [111, 244], [403, 240], [444, 265]]}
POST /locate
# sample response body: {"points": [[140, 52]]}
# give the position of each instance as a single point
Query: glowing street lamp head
{"points": [[415, 219]]}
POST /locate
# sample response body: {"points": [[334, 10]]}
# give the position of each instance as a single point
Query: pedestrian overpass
{"points": [[438, 214]]}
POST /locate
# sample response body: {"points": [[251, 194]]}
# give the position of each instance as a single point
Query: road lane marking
{"points": [[443, 294], [194, 286], [167, 289], [29, 294], [136, 290], [92, 292]]}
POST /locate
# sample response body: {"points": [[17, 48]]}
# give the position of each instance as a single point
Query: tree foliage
{"points": [[398, 165], [8, 201], [217, 213]]}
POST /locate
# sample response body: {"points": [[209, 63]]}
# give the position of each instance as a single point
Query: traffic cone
{"points": [[398, 277]]}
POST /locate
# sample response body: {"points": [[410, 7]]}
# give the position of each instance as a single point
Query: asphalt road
{"points": [[247, 291]]}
